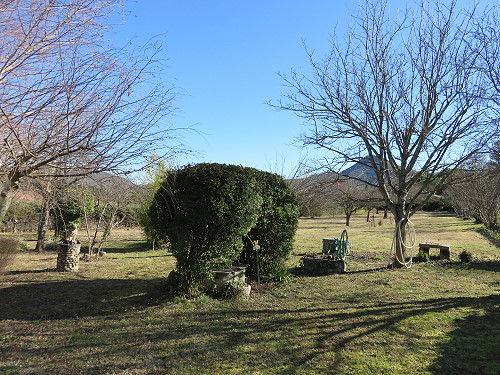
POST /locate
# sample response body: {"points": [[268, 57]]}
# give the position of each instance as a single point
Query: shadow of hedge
{"points": [[79, 298]]}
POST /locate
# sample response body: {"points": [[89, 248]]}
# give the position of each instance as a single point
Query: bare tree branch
{"points": [[70, 103], [401, 95]]}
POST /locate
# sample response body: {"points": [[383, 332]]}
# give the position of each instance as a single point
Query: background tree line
{"points": [[473, 192]]}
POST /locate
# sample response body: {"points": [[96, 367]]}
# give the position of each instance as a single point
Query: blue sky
{"points": [[223, 57]]}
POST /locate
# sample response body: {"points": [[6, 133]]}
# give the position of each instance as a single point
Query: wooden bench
{"points": [[444, 249]]}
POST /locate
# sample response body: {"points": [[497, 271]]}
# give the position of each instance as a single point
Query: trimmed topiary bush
{"points": [[275, 229], [204, 211], [208, 211]]}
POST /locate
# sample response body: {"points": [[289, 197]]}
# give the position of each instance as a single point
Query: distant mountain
{"points": [[356, 171], [104, 178], [361, 172]]}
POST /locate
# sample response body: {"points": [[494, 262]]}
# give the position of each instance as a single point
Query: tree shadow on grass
{"points": [[214, 337], [333, 333], [376, 269], [302, 272], [299, 339], [474, 346], [79, 298], [492, 236], [31, 271], [491, 266], [126, 246]]}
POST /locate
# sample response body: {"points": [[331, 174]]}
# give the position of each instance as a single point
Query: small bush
{"points": [[8, 250], [278, 274], [51, 246], [465, 256], [423, 256], [22, 246]]}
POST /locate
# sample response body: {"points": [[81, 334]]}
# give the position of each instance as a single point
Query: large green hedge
{"points": [[204, 211], [207, 212]]}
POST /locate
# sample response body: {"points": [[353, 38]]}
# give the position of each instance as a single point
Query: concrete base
{"points": [[321, 265], [235, 274]]}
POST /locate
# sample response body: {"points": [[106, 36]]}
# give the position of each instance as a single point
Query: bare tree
{"points": [[477, 193], [70, 103], [350, 196], [487, 35], [113, 196], [400, 95], [45, 189], [314, 194]]}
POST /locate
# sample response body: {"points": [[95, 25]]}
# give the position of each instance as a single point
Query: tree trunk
{"points": [[7, 194], [43, 223], [368, 210], [400, 219], [348, 218]]}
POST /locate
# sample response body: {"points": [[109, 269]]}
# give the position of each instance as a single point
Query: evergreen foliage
{"points": [[204, 211], [74, 202], [211, 213], [275, 228]]}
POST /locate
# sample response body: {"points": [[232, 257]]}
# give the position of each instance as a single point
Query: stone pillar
{"points": [[68, 257]]}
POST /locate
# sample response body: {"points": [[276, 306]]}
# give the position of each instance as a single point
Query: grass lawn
{"points": [[113, 316]]}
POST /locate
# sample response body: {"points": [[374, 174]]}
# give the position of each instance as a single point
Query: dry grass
{"points": [[113, 317], [8, 252], [374, 241]]}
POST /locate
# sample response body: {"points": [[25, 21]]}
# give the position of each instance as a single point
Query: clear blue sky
{"points": [[223, 56]]}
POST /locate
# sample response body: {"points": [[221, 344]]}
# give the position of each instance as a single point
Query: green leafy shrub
{"points": [[275, 229], [52, 246], [21, 246], [8, 249], [278, 274], [465, 256], [204, 211], [76, 201], [423, 256]]}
